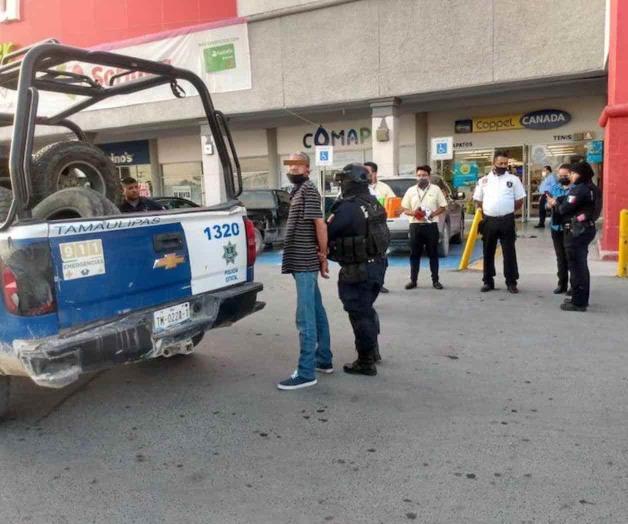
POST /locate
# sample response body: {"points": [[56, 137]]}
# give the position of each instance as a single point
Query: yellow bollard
{"points": [[473, 235], [622, 259]]}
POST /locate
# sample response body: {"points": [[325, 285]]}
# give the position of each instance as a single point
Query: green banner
{"points": [[219, 58]]}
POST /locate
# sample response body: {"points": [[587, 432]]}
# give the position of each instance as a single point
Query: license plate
{"points": [[171, 316]]}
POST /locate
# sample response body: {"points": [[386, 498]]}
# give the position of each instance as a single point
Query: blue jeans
{"points": [[312, 324]]}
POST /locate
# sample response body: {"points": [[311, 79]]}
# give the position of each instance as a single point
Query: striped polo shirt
{"points": [[300, 251]]}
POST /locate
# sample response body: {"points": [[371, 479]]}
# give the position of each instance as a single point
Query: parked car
{"points": [[268, 209], [450, 224], [175, 202]]}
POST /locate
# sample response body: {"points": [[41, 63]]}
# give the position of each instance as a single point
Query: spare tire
{"points": [[6, 197], [74, 202], [73, 164]]}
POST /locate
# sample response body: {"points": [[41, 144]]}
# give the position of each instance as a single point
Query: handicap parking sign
{"points": [[324, 156], [442, 148]]}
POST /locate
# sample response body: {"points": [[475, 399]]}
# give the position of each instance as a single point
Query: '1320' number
{"points": [[222, 231]]}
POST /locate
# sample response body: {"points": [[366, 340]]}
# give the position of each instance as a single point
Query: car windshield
{"points": [[401, 185], [257, 199]]}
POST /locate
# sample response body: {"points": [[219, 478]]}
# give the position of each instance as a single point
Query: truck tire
{"points": [[74, 202], [443, 245], [5, 390], [259, 242], [5, 202], [73, 164]]}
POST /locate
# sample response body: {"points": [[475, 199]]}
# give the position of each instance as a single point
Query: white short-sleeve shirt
{"points": [[431, 198], [498, 193]]}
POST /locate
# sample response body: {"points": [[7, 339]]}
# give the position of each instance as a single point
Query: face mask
{"points": [[423, 183], [296, 179], [500, 170], [564, 180]]}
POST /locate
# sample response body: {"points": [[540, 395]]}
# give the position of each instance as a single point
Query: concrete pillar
{"points": [[421, 139], [274, 169], [213, 182], [155, 168], [615, 120], [385, 114]]}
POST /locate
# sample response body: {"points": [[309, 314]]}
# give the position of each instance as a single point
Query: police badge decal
{"points": [[509, 183]]}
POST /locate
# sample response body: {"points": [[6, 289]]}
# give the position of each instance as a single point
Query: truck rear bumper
{"points": [[60, 360]]}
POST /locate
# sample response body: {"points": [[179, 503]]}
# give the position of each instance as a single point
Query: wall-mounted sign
{"points": [[465, 173], [324, 156], [542, 119], [9, 11], [344, 137], [128, 153], [595, 151], [442, 148]]}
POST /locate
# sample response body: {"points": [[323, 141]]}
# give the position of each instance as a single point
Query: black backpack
{"points": [[377, 232]]}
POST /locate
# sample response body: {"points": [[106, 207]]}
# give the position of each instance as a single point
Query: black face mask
{"points": [[296, 179], [423, 183], [500, 170], [564, 181]]}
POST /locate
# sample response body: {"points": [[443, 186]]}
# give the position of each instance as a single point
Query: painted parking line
{"points": [[397, 259]]}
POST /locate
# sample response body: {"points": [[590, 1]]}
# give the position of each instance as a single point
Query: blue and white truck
{"points": [[84, 287]]}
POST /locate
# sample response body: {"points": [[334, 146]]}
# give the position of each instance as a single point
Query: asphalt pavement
{"points": [[487, 408]]}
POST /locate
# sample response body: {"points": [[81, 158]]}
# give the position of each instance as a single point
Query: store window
{"points": [[183, 180], [132, 159], [255, 172]]}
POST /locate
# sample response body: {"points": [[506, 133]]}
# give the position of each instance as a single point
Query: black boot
{"points": [[365, 365], [376, 356]]}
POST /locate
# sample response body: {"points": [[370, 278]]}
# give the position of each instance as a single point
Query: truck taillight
{"points": [[251, 252], [9, 291]]}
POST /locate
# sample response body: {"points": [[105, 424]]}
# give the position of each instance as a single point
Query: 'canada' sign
{"points": [[542, 119]]}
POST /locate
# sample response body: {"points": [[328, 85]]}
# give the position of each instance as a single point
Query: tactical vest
{"points": [[359, 249]]}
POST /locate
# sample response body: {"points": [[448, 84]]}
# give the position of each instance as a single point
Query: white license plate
{"points": [[171, 316]]}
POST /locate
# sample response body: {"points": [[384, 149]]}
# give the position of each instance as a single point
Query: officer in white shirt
{"points": [[379, 190], [499, 194], [422, 204]]}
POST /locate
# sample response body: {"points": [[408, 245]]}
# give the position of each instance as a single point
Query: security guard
{"points": [[578, 211], [556, 190], [358, 240], [499, 194]]}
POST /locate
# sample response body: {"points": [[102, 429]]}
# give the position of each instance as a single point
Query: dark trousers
{"points": [[423, 236], [357, 300], [500, 229], [577, 249], [542, 210], [558, 238]]}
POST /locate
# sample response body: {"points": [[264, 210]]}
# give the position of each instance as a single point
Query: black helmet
{"points": [[353, 173]]}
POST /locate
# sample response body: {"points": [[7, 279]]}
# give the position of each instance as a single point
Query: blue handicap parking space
{"points": [[396, 259]]}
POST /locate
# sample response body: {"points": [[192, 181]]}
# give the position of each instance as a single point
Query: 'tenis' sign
{"points": [[9, 10]]}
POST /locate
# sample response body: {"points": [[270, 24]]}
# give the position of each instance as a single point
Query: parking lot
{"points": [[487, 408]]}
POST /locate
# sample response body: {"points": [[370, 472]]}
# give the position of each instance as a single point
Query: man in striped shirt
{"points": [[304, 256]]}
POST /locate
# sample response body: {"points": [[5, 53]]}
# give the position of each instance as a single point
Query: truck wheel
{"points": [[73, 164], [5, 389], [458, 237], [5, 202], [443, 245], [74, 202]]}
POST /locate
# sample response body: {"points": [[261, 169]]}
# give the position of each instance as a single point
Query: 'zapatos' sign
{"points": [[542, 119]]}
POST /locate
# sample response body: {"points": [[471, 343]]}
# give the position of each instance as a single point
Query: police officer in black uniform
{"points": [[577, 212], [358, 240]]}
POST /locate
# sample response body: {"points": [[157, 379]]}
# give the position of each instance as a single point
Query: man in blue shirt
{"points": [[558, 189], [549, 180]]}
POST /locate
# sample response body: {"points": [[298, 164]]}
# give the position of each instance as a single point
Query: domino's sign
{"points": [[324, 156]]}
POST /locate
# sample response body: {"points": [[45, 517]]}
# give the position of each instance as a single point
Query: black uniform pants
{"points": [[423, 236], [558, 238], [500, 229], [577, 249], [357, 300], [542, 210]]}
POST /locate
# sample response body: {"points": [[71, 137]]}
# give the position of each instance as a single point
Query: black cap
{"points": [[355, 173], [584, 169]]}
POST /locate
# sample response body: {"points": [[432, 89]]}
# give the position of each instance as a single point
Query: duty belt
{"points": [[588, 223]]}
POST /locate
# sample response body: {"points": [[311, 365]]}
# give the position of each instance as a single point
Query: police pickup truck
{"points": [[83, 287]]}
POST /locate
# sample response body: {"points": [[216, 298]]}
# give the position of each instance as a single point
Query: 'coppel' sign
{"points": [[542, 119]]}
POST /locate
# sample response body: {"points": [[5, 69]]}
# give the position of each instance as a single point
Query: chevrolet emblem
{"points": [[169, 261]]}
